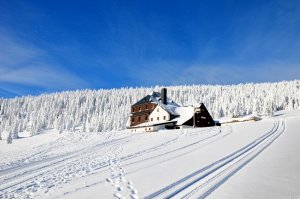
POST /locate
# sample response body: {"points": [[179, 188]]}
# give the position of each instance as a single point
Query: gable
{"points": [[147, 99], [205, 113], [160, 113]]}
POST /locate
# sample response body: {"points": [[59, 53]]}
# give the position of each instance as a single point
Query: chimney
{"points": [[163, 95]]}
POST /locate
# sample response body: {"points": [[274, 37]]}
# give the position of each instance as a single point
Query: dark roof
{"points": [[148, 98], [155, 98]]}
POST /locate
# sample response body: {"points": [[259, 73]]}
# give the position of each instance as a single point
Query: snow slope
{"points": [[236, 160]]}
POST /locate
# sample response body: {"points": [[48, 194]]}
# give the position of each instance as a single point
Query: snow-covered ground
{"points": [[237, 160]]}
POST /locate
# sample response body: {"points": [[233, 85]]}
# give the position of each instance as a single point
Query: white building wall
{"points": [[148, 128], [160, 113]]}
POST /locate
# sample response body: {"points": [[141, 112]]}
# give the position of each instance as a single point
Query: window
{"points": [[133, 109], [139, 119], [157, 109], [151, 119], [146, 107], [139, 108], [132, 119], [164, 117], [157, 118], [146, 117]]}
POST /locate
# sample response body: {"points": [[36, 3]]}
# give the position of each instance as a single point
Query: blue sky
{"points": [[49, 46]]}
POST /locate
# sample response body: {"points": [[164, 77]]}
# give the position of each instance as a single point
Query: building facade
{"points": [[156, 111]]}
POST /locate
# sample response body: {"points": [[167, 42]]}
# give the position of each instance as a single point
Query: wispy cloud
{"points": [[25, 65], [42, 75], [180, 73]]}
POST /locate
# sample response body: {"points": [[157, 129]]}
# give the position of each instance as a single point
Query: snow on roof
{"points": [[169, 107], [185, 113], [155, 97]]}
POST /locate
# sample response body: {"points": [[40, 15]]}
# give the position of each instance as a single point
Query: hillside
{"points": [[108, 110], [236, 160]]}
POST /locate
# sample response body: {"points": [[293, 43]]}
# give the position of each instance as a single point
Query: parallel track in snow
{"points": [[18, 178], [201, 183], [213, 136], [23, 178], [14, 178]]}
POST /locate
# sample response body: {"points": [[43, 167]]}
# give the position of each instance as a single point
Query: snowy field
{"points": [[237, 160]]}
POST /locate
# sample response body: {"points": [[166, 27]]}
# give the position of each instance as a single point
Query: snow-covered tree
{"points": [[107, 110]]}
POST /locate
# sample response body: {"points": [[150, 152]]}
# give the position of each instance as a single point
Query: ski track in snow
{"points": [[40, 177], [43, 174], [27, 179], [203, 182], [180, 151], [119, 176]]}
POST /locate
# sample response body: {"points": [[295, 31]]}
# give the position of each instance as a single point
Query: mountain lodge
{"points": [[156, 111]]}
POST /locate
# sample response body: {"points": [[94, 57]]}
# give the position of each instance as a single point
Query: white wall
{"points": [[159, 112], [148, 129]]}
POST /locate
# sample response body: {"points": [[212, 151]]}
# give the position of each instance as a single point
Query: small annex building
{"points": [[156, 111]]}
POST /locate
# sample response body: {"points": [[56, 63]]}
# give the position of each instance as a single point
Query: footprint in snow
{"points": [[117, 195], [134, 196]]}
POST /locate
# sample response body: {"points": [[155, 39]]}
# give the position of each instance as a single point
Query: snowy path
{"points": [[47, 173], [209, 178], [190, 163]]}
